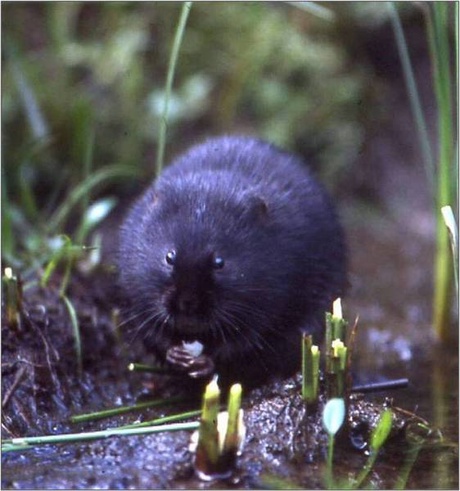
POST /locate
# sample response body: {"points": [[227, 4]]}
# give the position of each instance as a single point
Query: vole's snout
{"points": [[188, 311], [186, 302]]}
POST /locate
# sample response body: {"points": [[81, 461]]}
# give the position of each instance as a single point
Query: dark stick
{"points": [[399, 383]]}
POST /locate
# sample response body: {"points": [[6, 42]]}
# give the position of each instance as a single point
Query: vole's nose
{"points": [[187, 303]]}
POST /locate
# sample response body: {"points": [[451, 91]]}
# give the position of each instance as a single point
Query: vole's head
{"points": [[192, 262]]}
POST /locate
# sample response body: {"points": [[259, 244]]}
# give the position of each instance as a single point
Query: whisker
{"points": [[139, 328]]}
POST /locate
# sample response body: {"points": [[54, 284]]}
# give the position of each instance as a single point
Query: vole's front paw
{"points": [[196, 366]]}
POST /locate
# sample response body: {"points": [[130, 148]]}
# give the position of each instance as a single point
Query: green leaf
{"points": [[334, 415], [57, 220], [382, 430], [94, 215]]}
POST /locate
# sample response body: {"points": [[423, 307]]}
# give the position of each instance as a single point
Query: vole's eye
{"points": [[170, 257], [218, 262]]}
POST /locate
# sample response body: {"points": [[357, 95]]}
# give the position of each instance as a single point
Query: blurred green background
{"points": [[83, 88]]}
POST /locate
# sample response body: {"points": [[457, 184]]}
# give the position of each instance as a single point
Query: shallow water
{"points": [[392, 269]]}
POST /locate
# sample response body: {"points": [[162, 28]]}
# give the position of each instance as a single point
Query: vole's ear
{"points": [[255, 207], [153, 199]]}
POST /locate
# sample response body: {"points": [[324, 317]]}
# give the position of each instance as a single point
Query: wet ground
{"points": [[391, 292]]}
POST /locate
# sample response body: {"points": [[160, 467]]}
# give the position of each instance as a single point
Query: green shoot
{"points": [[338, 369], [310, 369], [220, 435], [207, 452], [13, 299], [169, 83], [336, 325], [336, 352], [231, 441]]}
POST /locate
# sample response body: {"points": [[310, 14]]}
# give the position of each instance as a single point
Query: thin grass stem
{"points": [[124, 409], [411, 457], [165, 419], [169, 83], [28, 442], [437, 21], [35, 118], [451, 224], [76, 332], [414, 98]]}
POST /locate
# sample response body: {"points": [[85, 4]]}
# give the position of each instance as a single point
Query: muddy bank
{"points": [[40, 376]]}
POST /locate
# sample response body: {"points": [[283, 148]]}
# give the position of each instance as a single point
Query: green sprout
{"points": [[336, 352], [220, 435], [13, 299], [310, 369], [207, 452]]}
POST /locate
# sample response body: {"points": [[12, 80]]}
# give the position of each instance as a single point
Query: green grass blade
{"points": [[83, 142], [438, 36], [111, 172], [381, 431], [55, 260], [76, 333], [106, 413], [413, 93], [28, 442], [173, 418], [315, 9], [452, 227], [94, 215], [35, 118], [8, 237], [169, 83]]}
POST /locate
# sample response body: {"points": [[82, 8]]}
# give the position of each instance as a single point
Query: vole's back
{"points": [[259, 214]]}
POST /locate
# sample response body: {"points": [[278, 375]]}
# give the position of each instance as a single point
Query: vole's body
{"points": [[235, 246]]}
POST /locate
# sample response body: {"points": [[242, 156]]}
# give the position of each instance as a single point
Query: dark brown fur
{"points": [[237, 246]]}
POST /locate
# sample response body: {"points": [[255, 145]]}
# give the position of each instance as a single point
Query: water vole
{"points": [[235, 246]]}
